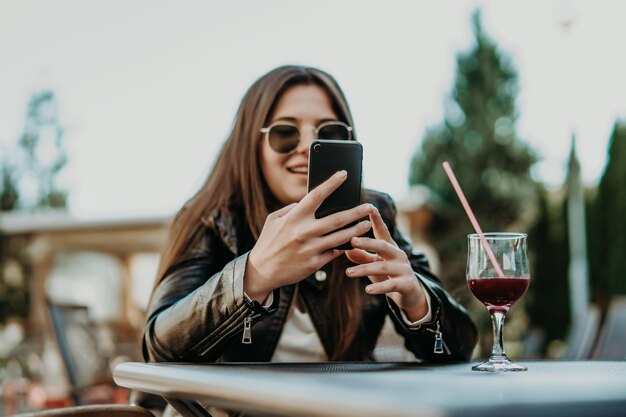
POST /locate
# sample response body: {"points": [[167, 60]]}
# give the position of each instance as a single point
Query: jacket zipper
{"points": [[247, 331], [207, 346], [440, 345], [446, 348], [438, 348]]}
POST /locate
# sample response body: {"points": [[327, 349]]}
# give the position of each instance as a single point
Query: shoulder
{"points": [[226, 224], [207, 231]]}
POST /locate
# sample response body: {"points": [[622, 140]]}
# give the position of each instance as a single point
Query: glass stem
{"points": [[497, 319]]}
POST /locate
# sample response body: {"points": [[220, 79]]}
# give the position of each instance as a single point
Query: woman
{"points": [[249, 274]]}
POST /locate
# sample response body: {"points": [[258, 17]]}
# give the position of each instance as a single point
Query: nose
{"points": [[307, 136]]}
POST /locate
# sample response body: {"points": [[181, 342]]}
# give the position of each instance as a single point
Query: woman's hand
{"points": [[293, 243], [388, 267]]}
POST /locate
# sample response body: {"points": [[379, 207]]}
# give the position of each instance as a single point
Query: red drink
{"points": [[489, 255], [498, 294]]}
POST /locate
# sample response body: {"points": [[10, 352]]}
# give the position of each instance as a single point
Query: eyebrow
{"points": [[295, 120]]}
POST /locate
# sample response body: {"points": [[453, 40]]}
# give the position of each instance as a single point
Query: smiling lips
{"points": [[302, 169]]}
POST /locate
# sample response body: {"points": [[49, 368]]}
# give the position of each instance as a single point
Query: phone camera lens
{"points": [[317, 147]]}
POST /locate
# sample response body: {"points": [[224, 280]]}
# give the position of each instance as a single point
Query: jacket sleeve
{"points": [[450, 322], [199, 305]]}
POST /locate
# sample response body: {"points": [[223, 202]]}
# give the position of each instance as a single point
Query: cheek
{"points": [[271, 165]]}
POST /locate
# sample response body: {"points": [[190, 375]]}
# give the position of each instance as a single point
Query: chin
{"points": [[296, 195]]}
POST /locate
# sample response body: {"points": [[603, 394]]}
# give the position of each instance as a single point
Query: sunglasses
{"points": [[284, 137]]}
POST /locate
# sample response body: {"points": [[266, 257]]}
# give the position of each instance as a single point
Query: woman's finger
{"points": [[338, 220], [380, 228], [342, 236], [329, 255], [316, 197], [381, 247], [376, 268], [282, 211], [359, 256], [390, 285]]}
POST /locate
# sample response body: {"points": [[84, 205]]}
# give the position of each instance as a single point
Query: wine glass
{"points": [[497, 274]]}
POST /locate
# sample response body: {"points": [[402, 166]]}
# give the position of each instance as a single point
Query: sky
{"points": [[148, 89]]}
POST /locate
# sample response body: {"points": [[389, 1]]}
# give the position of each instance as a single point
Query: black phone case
{"points": [[326, 157]]}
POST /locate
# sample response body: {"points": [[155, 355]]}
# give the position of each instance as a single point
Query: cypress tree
{"points": [[608, 232], [478, 138], [547, 302]]}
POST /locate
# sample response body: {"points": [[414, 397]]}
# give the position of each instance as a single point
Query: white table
{"points": [[548, 388]]}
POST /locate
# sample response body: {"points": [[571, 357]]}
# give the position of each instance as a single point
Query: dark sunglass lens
{"points": [[337, 132], [284, 138]]}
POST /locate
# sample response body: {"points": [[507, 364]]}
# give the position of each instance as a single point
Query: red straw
{"points": [[470, 214]]}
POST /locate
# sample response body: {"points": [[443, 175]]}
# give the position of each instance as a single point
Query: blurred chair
{"points": [[534, 342], [582, 334], [87, 370], [612, 341], [103, 410]]}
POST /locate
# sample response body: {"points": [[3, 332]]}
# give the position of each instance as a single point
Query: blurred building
{"points": [[103, 268], [416, 215], [108, 265]]}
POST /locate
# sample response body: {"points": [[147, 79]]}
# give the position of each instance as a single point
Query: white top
{"points": [[299, 341]]}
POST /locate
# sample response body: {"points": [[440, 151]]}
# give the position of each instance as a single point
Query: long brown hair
{"points": [[236, 180]]}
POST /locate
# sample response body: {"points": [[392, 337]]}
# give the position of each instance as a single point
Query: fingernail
{"points": [[343, 174], [349, 271], [367, 224], [369, 288]]}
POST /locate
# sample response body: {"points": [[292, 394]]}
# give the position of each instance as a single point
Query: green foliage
{"points": [[8, 190], [478, 139], [608, 222], [548, 302], [28, 181], [43, 158], [14, 285]]}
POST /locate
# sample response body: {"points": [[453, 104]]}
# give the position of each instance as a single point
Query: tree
{"points": [[8, 190], [15, 268], [548, 239], [28, 181], [43, 155], [478, 138], [607, 244]]}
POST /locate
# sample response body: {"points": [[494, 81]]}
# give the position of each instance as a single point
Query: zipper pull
{"points": [[438, 340], [247, 332]]}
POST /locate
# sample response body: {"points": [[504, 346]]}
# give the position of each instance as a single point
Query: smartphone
{"points": [[326, 157]]}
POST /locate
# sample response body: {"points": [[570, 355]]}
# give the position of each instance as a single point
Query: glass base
{"points": [[499, 364]]}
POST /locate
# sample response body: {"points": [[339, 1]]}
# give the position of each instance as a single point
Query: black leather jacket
{"points": [[198, 311]]}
